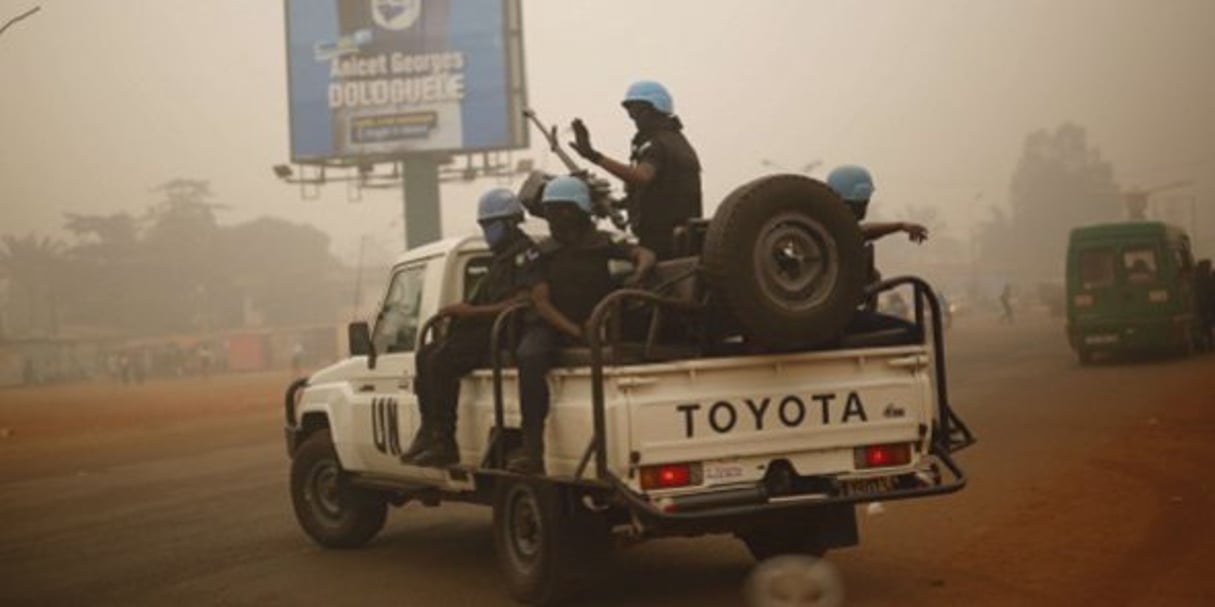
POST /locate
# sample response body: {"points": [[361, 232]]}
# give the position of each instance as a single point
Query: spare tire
{"points": [[786, 256]]}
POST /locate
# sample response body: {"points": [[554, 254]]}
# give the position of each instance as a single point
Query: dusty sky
{"points": [[102, 99]]}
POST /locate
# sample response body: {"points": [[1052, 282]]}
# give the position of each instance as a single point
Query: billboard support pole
{"points": [[421, 203]]}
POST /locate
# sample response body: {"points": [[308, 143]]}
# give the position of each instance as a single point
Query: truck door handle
{"points": [[915, 361], [367, 388], [406, 383]]}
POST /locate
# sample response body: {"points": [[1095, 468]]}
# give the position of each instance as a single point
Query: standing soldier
{"points": [[662, 178]]}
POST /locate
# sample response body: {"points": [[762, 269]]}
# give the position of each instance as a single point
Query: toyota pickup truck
{"points": [[685, 414]]}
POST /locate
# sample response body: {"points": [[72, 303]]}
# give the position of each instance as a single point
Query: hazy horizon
{"points": [[103, 101]]}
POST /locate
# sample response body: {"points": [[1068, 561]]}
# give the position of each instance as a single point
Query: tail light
{"points": [[670, 476], [882, 456], [1158, 296], [1083, 300]]}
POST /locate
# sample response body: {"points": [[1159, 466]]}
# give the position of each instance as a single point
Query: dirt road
{"points": [[1088, 485]]}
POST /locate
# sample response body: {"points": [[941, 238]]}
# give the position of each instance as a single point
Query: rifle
{"points": [[601, 190]]}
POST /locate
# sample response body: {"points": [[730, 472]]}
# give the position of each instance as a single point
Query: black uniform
{"points": [[442, 363], [578, 279], [673, 195]]}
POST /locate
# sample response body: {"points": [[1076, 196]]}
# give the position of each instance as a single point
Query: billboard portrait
{"points": [[376, 79]]}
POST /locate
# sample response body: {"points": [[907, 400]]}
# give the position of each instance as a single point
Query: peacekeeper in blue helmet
{"points": [[854, 184], [662, 177], [442, 363], [575, 277]]}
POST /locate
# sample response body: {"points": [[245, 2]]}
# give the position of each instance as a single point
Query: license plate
{"points": [[723, 471], [1097, 340], [868, 486]]}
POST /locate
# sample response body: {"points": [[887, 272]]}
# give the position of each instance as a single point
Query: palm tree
{"points": [[33, 266]]}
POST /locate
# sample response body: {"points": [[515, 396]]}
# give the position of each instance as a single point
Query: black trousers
{"points": [[440, 365], [536, 353]]}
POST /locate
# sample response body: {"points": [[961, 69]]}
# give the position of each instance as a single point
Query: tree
{"points": [[1060, 183], [173, 269], [33, 267], [282, 270]]}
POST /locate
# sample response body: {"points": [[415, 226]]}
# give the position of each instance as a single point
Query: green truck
{"points": [[1134, 286]]}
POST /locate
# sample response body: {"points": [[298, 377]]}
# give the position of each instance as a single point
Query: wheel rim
{"points": [[796, 261], [323, 491], [526, 528]]}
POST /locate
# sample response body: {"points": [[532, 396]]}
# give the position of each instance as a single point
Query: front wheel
{"points": [[333, 513]]}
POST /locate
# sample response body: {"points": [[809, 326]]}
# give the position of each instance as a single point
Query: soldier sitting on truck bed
{"points": [[575, 277], [855, 186], [442, 363]]}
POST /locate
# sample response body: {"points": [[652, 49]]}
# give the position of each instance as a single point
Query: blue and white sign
{"points": [[378, 79]]}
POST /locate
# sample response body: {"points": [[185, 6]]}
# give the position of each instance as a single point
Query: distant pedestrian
{"points": [[1006, 303], [897, 306]]}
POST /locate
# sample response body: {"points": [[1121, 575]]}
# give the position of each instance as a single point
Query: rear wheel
{"points": [[546, 542], [332, 512]]}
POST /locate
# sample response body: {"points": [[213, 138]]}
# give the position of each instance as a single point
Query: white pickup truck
{"points": [[673, 430]]}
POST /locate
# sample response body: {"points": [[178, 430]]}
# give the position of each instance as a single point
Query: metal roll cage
{"points": [[950, 434]]}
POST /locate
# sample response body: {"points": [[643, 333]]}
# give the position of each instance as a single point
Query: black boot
{"points": [[528, 459], [442, 452], [423, 441]]}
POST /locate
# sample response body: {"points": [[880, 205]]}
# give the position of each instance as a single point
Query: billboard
{"points": [[376, 79]]}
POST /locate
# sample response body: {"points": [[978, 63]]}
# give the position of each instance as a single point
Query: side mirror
{"points": [[358, 336]]}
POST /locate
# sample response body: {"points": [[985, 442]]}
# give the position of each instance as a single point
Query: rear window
{"points": [[1139, 264], [1097, 268]]}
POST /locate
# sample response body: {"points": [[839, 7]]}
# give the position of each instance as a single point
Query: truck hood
{"points": [[342, 370]]}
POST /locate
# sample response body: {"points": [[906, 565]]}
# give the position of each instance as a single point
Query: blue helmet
{"points": [[499, 203], [568, 189], [853, 183], [652, 93]]}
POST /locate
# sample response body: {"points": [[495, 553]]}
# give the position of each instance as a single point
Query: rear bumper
{"points": [[728, 506], [1130, 335]]}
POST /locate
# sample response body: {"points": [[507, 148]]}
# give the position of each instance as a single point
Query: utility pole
{"points": [[421, 199]]}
